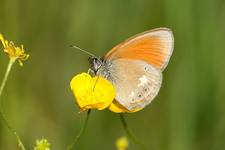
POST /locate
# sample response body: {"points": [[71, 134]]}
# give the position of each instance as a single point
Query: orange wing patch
{"points": [[154, 47]]}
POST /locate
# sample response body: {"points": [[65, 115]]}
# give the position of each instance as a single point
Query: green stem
{"points": [[130, 134], [3, 116], [81, 131], [11, 62]]}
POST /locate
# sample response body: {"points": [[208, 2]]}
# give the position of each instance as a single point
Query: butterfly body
{"points": [[135, 67]]}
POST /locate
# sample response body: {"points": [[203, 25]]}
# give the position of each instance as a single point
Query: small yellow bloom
{"points": [[15, 53], [91, 93], [42, 144], [122, 143]]}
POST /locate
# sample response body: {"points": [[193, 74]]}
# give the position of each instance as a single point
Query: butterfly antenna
{"points": [[78, 48]]}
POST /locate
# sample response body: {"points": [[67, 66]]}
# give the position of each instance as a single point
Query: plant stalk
{"points": [[76, 139], [130, 134], [2, 114]]}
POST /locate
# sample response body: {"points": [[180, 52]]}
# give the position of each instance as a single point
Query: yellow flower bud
{"points": [[42, 144], [122, 143], [15, 53]]}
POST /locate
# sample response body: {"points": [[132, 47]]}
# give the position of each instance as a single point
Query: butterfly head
{"points": [[95, 64]]}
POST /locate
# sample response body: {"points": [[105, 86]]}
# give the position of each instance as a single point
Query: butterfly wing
{"points": [[136, 82], [154, 46]]}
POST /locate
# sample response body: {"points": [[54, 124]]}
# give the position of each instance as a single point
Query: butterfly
{"points": [[135, 67]]}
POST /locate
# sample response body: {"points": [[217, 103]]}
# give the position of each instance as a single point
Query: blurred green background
{"points": [[188, 113]]}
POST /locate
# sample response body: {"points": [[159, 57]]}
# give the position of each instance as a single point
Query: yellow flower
{"points": [[122, 143], [15, 53], [42, 144], [92, 93]]}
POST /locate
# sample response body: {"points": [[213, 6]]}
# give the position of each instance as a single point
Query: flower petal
{"points": [[15, 53], [91, 92], [118, 108]]}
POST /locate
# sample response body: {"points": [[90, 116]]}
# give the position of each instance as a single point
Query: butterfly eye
{"points": [[95, 64]]}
